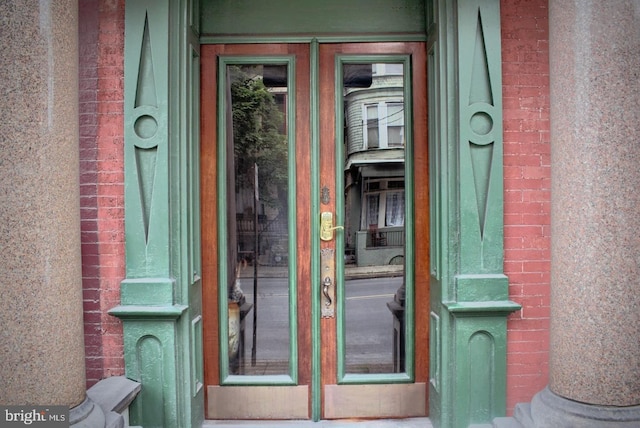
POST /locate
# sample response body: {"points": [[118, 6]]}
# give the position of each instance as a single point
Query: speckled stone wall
{"points": [[41, 339], [595, 155]]}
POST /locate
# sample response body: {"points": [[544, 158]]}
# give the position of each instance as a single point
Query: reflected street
{"points": [[369, 325]]}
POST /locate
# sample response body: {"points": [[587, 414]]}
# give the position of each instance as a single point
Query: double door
{"points": [[315, 236]]}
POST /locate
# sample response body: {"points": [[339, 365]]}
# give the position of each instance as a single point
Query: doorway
{"points": [[315, 217]]}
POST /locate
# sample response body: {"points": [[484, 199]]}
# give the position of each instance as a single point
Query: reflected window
{"points": [[372, 140], [388, 69], [385, 203], [394, 210], [395, 124], [384, 123]]}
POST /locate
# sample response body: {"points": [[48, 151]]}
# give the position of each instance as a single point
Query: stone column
{"points": [[595, 218], [41, 339]]}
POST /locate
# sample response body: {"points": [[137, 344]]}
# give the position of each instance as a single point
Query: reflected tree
{"points": [[257, 125]]}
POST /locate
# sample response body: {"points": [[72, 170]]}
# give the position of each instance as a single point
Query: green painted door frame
{"points": [[161, 295]]}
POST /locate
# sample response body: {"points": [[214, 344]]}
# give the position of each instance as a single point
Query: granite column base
{"points": [[550, 410], [106, 405], [87, 415]]}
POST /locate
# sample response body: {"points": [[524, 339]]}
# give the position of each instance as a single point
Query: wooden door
{"points": [[373, 158], [305, 321]]}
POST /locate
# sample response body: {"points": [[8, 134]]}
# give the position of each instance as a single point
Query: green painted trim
{"points": [[255, 380], [151, 345], [339, 184], [185, 178], [316, 374], [223, 276], [147, 136], [479, 369], [410, 301], [311, 17], [442, 167], [292, 213], [343, 376], [482, 308], [381, 378], [480, 137], [365, 38], [481, 287], [409, 256], [223, 271], [148, 312], [147, 291]]}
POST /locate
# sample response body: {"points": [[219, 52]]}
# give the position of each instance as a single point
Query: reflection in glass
{"points": [[257, 219], [374, 217]]}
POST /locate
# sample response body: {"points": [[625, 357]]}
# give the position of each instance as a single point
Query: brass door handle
{"points": [[328, 301], [327, 227]]}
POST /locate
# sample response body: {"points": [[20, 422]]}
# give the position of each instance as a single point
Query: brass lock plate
{"points": [[327, 282]]}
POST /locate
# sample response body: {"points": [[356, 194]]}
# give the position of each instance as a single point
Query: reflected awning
{"points": [[376, 161]]}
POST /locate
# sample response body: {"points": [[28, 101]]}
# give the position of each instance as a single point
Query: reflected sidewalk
{"points": [[351, 272]]}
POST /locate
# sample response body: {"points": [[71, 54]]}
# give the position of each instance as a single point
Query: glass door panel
{"points": [[374, 210], [258, 292]]}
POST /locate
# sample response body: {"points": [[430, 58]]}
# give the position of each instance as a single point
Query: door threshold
{"points": [[338, 423]]}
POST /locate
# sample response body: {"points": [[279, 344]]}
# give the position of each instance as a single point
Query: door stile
{"points": [[314, 119], [328, 195], [209, 212], [421, 214], [303, 216]]}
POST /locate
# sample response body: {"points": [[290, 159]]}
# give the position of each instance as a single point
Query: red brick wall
{"points": [[101, 50], [527, 182]]}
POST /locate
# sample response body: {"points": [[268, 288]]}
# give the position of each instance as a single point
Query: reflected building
{"points": [[374, 145]]}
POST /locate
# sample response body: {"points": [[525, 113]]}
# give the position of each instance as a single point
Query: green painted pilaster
{"points": [[479, 302], [470, 299], [160, 298]]}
